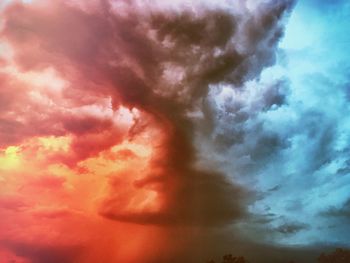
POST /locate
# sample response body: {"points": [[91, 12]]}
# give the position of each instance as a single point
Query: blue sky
{"points": [[305, 182], [287, 133]]}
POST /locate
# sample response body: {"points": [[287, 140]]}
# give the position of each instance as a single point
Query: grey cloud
{"points": [[342, 212], [126, 57], [291, 228]]}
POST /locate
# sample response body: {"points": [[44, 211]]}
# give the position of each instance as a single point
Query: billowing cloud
{"points": [[128, 56], [121, 120]]}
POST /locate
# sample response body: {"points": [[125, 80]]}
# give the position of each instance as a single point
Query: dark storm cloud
{"points": [[186, 30], [164, 63], [128, 56], [202, 200]]}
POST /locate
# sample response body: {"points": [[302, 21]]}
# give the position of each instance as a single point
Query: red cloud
{"points": [[83, 82]]}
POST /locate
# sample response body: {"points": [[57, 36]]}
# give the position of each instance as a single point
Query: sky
{"points": [[149, 131]]}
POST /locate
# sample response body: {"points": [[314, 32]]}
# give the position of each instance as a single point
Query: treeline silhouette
{"points": [[340, 255]]}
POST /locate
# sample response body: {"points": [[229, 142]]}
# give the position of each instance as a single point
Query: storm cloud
{"points": [[183, 121]]}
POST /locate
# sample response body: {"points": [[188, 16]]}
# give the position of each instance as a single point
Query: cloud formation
{"points": [[165, 116]]}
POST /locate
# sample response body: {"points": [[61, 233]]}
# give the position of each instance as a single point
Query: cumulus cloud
{"points": [[86, 79], [125, 55]]}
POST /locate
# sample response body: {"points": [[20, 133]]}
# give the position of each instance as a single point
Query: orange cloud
{"points": [[96, 126], [44, 201]]}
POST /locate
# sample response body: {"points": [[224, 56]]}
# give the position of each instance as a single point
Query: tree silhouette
{"points": [[231, 259], [338, 256]]}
